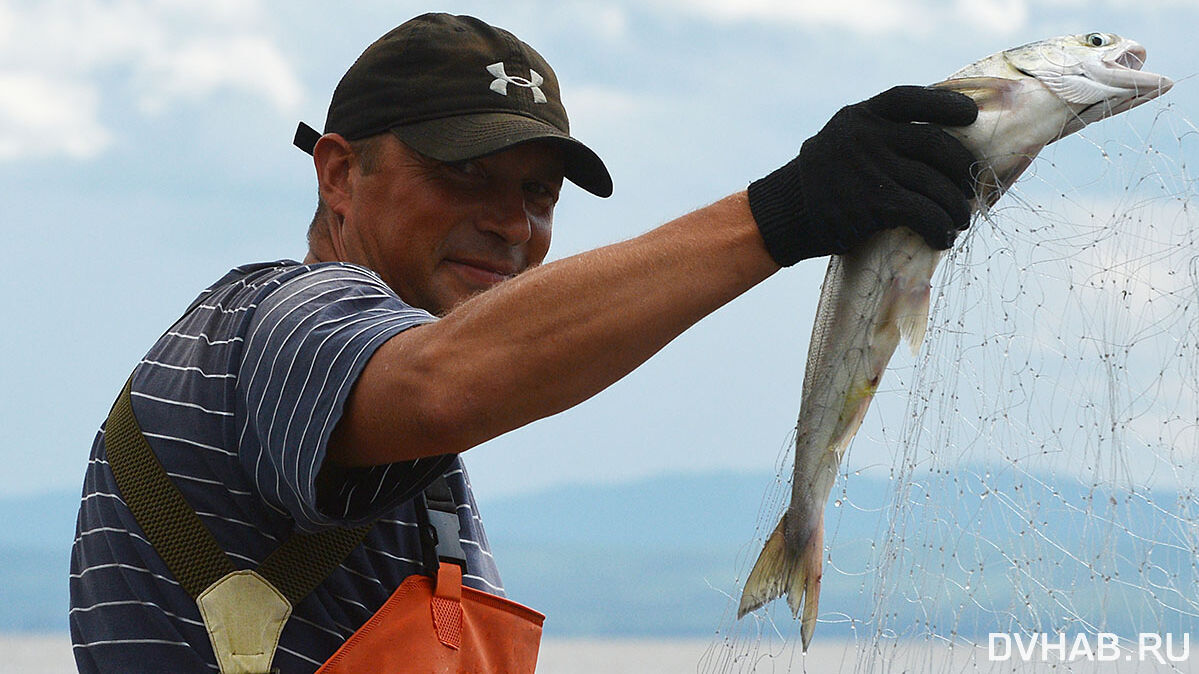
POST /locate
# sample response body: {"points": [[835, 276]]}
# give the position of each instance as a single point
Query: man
{"points": [[300, 397]]}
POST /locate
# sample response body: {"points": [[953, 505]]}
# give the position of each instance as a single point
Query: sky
{"points": [[145, 149]]}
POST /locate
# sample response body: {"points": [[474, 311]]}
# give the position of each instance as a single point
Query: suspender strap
{"points": [[306, 560], [182, 540], [439, 497], [170, 524], [437, 517]]}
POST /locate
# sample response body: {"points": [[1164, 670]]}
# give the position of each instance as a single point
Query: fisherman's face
{"points": [[439, 233]]}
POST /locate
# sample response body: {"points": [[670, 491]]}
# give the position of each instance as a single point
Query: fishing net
{"points": [[1027, 498]]}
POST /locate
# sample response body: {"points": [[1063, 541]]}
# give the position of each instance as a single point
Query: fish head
{"points": [[1033, 95], [1096, 75]]}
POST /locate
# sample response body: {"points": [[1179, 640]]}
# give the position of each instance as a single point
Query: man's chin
{"points": [[448, 299]]}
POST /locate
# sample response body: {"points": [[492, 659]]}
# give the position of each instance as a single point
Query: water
{"points": [[51, 654]]}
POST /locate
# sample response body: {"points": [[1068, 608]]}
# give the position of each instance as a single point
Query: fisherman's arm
{"points": [[549, 338], [560, 333]]}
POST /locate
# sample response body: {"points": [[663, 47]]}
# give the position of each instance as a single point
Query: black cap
{"points": [[455, 88]]}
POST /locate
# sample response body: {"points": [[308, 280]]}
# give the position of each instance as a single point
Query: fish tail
{"points": [[813, 560], [771, 575], [779, 571]]}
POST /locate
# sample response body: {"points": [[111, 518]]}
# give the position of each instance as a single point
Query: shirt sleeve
{"points": [[305, 345]]}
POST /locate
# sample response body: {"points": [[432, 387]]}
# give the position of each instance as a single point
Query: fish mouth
{"points": [[1132, 58], [1123, 69], [1122, 74]]}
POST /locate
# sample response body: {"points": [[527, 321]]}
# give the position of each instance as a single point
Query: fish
{"points": [[878, 294]]}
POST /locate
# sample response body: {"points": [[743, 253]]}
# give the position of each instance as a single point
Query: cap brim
{"points": [[471, 136]]}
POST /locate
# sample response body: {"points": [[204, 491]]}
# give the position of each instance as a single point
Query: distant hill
{"points": [[586, 554], [655, 557], [665, 556]]}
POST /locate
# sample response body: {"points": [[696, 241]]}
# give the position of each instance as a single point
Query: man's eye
{"points": [[540, 191], [468, 167]]}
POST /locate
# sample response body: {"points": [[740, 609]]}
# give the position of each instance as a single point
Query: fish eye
{"points": [[1098, 39]]}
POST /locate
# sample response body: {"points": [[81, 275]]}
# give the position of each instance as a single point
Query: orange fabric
{"points": [[452, 630], [447, 605]]}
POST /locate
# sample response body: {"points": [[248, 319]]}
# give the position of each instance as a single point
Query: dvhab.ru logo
{"points": [[1102, 647]]}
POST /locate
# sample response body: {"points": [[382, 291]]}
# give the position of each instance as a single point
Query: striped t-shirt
{"points": [[238, 400]]}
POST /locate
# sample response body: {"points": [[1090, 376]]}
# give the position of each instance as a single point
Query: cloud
{"points": [[1004, 17], [62, 63], [870, 18], [914, 19], [597, 102], [610, 23], [36, 115], [202, 66], [859, 16]]}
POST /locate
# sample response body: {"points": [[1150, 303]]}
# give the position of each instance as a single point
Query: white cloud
{"points": [[599, 103], [879, 18], [38, 115], [68, 60], [611, 23], [865, 16], [1000, 16], [200, 67]]}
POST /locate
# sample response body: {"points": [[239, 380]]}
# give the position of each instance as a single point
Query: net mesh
{"points": [[1037, 475]]}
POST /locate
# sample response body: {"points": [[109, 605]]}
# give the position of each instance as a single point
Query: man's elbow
{"points": [[400, 415]]}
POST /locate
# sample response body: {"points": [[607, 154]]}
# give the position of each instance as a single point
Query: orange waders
{"points": [[436, 624]]}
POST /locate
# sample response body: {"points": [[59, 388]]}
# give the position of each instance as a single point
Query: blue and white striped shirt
{"points": [[238, 400]]}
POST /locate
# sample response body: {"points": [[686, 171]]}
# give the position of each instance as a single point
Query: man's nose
{"points": [[507, 217]]}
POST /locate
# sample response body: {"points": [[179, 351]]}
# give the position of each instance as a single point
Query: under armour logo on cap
{"points": [[503, 79]]}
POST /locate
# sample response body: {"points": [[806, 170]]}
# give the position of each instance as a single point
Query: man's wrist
{"points": [[776, 202]]}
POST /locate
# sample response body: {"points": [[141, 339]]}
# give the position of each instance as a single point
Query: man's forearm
{"points": [[547, 339]]}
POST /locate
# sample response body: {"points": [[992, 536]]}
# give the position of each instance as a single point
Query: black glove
{"points": [[871, 168]]}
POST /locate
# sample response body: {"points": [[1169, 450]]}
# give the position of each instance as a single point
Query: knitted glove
{"points": [[872, 167]]}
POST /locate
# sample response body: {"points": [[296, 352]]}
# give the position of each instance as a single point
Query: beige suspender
{"points": [[244, 611]]}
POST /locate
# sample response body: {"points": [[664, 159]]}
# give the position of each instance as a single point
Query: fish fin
{"points": [[777, 572], [913, 322], [991, 185], [853, 411], [987, 92], [771, 574]]}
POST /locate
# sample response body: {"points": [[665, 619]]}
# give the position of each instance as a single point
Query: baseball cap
{"points": [[455, 88]]}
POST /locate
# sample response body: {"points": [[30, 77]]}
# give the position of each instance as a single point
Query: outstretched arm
{"points": [[560, 333], [547, 339]]}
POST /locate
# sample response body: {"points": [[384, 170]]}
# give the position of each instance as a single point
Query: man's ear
{"points": [[333, 157]]}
